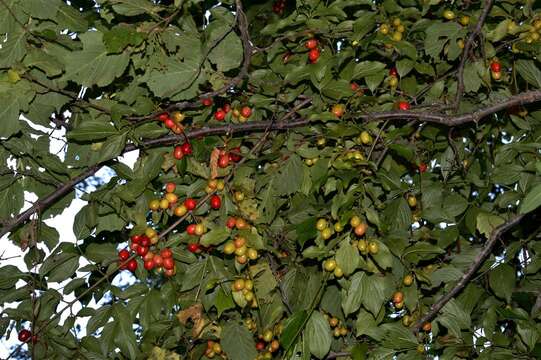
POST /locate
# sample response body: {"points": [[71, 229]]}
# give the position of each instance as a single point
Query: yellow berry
{"points": [[330, 265]]}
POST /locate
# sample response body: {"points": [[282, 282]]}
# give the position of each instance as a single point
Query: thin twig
{"points": [[479, 260]]}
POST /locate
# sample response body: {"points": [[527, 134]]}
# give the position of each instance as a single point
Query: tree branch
{"points": [[259, 126], [479, 260], [468, 47]]}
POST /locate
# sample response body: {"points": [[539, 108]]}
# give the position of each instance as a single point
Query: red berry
{"points": [[311, 44], [231, 222], [149, 264], [168, 263], [260, 345], [246, 111], [234, 154], [422, 167], [193, 247], [24, 335], [132, 265], [145, 241], [190, 203], [393, 71], [166, 253], [190, 229], [219, 115], [177, 153], [123, 255], [163, 117], [158, 260], [404, 105], [186, 148], [169, 123], [313, 55], [134, 246], [226, 108], [215, 202], [170, 187], [206, 102], [354, 86], [142, 250], [223, 160], [495, 66], [136, 238]]}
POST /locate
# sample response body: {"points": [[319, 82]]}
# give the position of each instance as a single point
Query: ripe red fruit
{"points": [[193, 247], [166, 253], [169, 123], [219, 115], [168, 263], [170, 187], [393, 71], [177, 153], [190, 229], [260, 345], [223, 160], [145, 241], [495, 66], [142, 250], [313, 55], [206, 102], [186, 148], [404, 105], [190, 204], [149, 264], [163, 117], [354, 86], [158, 260], [246, 111], [136, 238], [132, 265], [231, 222], [24, 335], [311, 44], [215, 202], [234, 154], [134, 246], [422, 167], [123, 255]]}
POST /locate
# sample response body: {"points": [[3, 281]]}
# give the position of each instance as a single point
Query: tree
{"points": [[319, 179]]}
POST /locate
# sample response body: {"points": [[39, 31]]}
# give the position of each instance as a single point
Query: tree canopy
{"points": [[314, 179]]}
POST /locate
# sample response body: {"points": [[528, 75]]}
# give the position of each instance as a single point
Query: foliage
{"points": [[410, 127]]}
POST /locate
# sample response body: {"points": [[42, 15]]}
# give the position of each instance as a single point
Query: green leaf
{"points": [[228, 53], [529, 72], [124, 333], [9, 113], [134, 7], [532, 200], [100, 252], [112, 147], [99, 319], [92, 65], [59, 267], [318, 335], [292, 328], [290, 177], [502, 281], [13, 50], [215, 236], [454, 318], [347, 257], [367, 68], [175, 77], [92, 130], [237, 342], [487, 222]]}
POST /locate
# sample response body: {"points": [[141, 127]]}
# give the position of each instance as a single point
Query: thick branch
{"points": [[468, 47], [527, 97], [446, 120], [479, 260]]}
